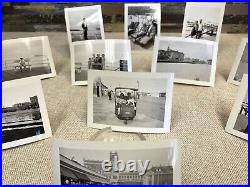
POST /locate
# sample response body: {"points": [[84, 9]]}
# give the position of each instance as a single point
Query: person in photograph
{"points": [[85, 29], [103, 61], [200, 29], [194, 29], [109, 95], [22, 64], [90, 63]]}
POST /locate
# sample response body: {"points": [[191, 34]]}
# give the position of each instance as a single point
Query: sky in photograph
{"points": [[207, 14], [21, 49], [191, 50], [145, 84], [18, 94], [91, 17], [156, 156]]}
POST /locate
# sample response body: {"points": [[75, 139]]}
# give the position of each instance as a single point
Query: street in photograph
{"points": [[26, 57], [142, 23], [137, 100]]}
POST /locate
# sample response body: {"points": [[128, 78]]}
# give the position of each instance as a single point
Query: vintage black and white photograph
{"points": [[203, 20], [238, 120], [142, 23], [84, 23], [240, 66], [111, 55], [192, 61], [85, 163], [27, 57], [24, 113], [130, 102]]}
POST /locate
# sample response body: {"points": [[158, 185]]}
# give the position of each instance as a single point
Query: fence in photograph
{"points": [[117, 66], [92, 34], [26, 63]]}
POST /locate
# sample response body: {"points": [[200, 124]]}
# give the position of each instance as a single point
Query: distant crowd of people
{"points": [[97, 62]]}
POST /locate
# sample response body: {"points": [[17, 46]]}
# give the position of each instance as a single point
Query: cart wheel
{"points": [[126, 122]]}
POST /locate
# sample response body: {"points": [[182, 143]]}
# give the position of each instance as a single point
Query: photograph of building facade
{"points": [[142, 23], [129, 102], [112, 55], [88, 171], [188, 59], [25, 58]]}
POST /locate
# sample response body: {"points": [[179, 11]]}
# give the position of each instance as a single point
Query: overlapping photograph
{"points": [[112, 55], [27, 57], [130, 102], [238, 120], [84, 23], [203, 20], [240, 66], [85, 163], [192, 61], [142, 23], [24, 114]]}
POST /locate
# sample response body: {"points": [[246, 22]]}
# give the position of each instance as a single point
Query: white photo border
{"points": [[169, 77], [207, 5], [236, 63], [143, 145], [43, 110], [89, 42], [242, 93], [186, 81], [67, 11], [127, 5], [46, 50]]}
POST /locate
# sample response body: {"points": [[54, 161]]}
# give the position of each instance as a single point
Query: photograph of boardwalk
{"points": [[187, 59], [24, 58], [131, 102], [24, 114], [112, 55], [241, 123], [142, 24], [243, 65], [84, 23], [85, 166], [203, 20]]}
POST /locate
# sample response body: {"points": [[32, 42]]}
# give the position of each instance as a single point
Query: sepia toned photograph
{"points": [[84, 23], [24, 114], [240, 66], [130, 102], [111, 55], [192, 61], [86, 163], [142, 24], [27, 57], [238, 120], [203, 20]]}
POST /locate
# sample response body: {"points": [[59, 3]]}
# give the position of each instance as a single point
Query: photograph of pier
{"points": [[25, 58]]}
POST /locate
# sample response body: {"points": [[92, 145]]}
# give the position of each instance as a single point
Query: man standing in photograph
{"points": [[200, 29], [85, 29]]}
